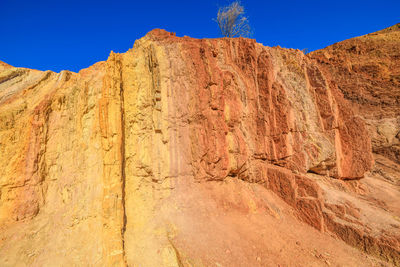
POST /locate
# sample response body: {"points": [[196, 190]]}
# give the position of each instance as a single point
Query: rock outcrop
{"points": [[367, 71], [187, 152]]}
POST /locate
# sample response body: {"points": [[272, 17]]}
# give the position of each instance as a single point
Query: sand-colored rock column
{"points": [[111, 125]]}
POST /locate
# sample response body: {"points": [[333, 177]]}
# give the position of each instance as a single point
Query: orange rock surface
{"points": [[367, 71], [187, 152]]}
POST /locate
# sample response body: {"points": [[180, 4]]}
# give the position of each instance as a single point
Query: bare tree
{"points": [[232, 22]]}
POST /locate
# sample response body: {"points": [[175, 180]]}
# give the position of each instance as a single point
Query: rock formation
{"points": [[212, 152], [367, 71]]}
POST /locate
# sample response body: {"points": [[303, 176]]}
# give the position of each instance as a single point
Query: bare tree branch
{"points": [[232, 22]]}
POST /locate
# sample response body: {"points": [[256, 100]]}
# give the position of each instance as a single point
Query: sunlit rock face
{"points": [[187, 152], [367, 71]]}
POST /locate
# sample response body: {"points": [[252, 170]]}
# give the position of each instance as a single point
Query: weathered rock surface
{"points": [[186, 152], [367, 71]]}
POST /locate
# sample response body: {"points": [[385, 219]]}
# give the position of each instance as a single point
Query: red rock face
{"points": [[366, 69], [251, 103]]}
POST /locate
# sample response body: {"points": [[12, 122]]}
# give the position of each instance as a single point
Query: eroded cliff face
{"points": [[186, 152], [367, 71]]}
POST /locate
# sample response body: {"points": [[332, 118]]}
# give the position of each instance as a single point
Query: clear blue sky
{"points": [[72, 34]]}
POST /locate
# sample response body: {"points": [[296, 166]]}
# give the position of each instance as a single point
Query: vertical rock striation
{"points": [[111, 119]]}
